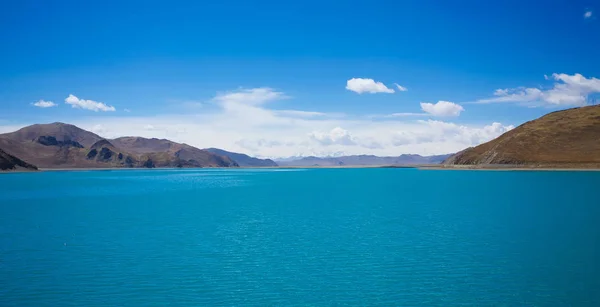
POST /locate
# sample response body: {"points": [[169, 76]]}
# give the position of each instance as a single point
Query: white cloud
{"points": [[587, 14], [464, 134], [337, 136], [362, 85], [439, 132], [299, 113], [401, 88], [256, 144], [405, 114], [442, 108], [98, 129], [44, 104], [87, 104], [502, 92], [568, 90], [254, 96]]}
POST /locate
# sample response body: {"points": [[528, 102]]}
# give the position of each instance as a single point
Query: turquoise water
{"points": [[324, 237]]}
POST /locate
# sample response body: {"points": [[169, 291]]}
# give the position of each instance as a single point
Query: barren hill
{"points": [[59, 131], [568, 138]]}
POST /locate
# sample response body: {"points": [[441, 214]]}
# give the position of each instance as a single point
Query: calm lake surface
{"points": [[322, 237]]}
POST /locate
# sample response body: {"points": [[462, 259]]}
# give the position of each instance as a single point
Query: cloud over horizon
{"points": [[337, 136], [243, 121], [567, 90]]}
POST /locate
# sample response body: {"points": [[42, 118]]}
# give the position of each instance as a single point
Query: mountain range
{"points": [[60, 145], [568, 138], [364, 160]]}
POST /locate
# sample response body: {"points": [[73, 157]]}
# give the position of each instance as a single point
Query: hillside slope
{"points": [[563, 138], [242, 159], [9, 162]]}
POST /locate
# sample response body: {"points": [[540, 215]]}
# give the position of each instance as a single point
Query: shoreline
{"points": [[574, 168], [418, 167]]}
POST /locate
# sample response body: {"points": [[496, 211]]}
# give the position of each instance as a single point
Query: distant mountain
{"points": [[568, 138], [242, 159], [59, 145], [9, 162], [365, 160]]}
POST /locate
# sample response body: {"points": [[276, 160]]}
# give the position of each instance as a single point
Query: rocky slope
{"points": [[365, 160], [569, 138], [9, 162], [164, 152], [242, 159], [59, 145]]}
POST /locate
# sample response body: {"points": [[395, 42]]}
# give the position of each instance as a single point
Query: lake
{"points": [[300, 237]]}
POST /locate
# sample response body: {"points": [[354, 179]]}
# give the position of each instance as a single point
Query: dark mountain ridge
{"points": [[9, 162]]}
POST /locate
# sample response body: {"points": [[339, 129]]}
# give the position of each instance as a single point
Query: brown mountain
{"points": [[51, 145], [59, 145], [568, 138], [61, 132], [174, 154], [9, 162]]}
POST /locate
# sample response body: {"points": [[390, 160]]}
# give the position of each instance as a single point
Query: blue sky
{"points": [[272, 78]]}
